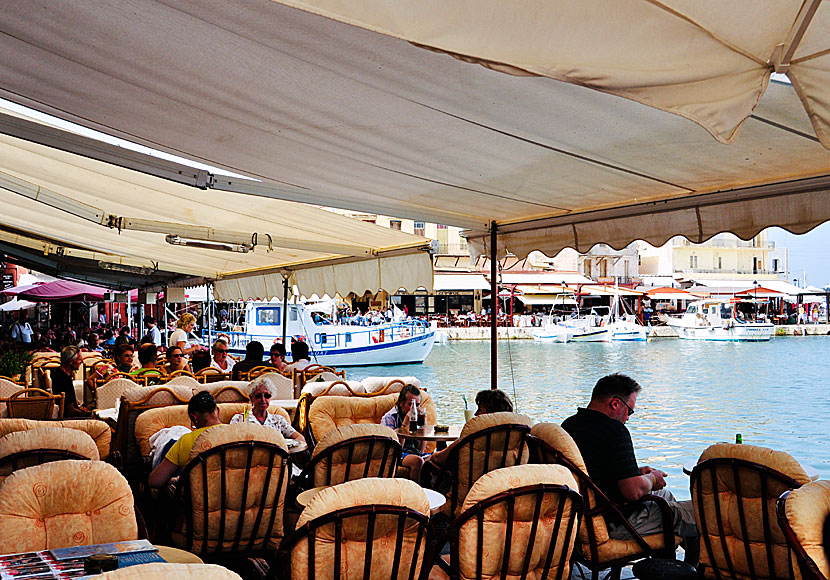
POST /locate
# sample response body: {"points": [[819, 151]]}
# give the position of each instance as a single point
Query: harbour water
{"points": [[694, 393]]}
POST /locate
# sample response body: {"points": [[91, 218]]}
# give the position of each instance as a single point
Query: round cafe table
{"points": [[428, 433], [176, 556]]}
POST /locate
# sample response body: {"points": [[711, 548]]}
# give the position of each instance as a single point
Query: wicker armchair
{"points": [[486, 443], [516, 522], [352, 452], [734, 491], [35, 404], [370, 528], [232, 493]]}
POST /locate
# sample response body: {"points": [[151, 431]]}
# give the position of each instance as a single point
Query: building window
{"points": [[720, 263], [420, 228], [693, 262], [775, 264], [395, 225]]}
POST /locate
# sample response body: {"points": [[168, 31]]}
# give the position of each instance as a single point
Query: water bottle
{"points": [[413, 417], [738, 439]]}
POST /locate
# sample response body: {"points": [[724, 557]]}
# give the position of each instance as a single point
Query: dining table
{"points": [[428, 433]]}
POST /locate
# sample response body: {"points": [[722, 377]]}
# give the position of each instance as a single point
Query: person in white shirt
{"points": [[221, 360], [299, 356], [184, 326], [260, 393], [21, 331]]}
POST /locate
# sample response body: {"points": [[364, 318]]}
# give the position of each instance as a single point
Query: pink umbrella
{"points": [[14, 291]]}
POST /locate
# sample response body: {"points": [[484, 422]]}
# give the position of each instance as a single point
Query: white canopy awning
{"points": [[546, 299], [364, 117], [89, 218], [460, 282], [556, 278]]}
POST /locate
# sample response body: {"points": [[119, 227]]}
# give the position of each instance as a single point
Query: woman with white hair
{"points": [[260, 392]]}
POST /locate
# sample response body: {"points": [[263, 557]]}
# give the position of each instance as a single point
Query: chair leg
{"points": [[615, 573]]}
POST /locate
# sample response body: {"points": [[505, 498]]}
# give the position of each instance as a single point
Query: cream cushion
{"points": [[98, 430], [185, 381], [473, 462], [754, 504], [369, 491], [170, 572], [349, 463], [282, 385], [7, 389], [496, 526], [807, 510], [110, 392], [337, 387], [388, 384], [65, 503], [154, 420], [63, 439], [328, 413], [235, 471]]}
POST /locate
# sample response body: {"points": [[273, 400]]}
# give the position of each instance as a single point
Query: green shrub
{"points": [[14, 363]]}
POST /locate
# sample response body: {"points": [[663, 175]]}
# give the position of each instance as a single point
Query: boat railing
{"points": [[331, 336]]}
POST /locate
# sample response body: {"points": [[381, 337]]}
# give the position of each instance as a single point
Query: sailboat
{"points": [[624, 326]]}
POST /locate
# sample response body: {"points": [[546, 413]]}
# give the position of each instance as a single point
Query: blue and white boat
{"points": [[332, 344]]}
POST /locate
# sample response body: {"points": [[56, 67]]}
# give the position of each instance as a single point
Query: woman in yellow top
{"points": [[204, 414]]}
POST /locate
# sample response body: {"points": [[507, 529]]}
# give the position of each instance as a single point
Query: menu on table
{"points": [[66, 563]]}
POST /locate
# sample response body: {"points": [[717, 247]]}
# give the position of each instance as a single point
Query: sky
{"points": [[808, 254]]}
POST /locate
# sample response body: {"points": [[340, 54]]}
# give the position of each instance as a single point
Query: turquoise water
{"points": [[694, 393]]}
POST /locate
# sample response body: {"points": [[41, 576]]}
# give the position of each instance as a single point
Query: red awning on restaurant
{"points": [[67, 291]]}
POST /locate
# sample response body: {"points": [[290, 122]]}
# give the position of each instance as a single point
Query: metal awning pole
{"points": [[285, 312], [494, 310]]}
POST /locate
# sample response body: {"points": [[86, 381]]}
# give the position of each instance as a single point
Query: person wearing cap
{"points": [[204, 414]]}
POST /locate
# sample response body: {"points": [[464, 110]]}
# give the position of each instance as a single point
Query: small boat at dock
{"points": [[718, 319]]}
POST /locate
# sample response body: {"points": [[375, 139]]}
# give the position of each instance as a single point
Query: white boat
{"points": [[592, 327], [332, 344], [624, 326], [718, 319]]}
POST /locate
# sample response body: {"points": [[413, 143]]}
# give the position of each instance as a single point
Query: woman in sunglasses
{"points": [[176, 360], [261, 391]]}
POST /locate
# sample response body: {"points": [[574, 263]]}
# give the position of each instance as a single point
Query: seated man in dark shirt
{"points": [[71, 361], [254, 351], [605, 443]]}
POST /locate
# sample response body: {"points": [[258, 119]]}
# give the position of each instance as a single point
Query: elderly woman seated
{"points": [[260, 393]]}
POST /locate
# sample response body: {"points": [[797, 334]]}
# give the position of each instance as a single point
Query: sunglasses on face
{"points": [[221, 352], [262, 395], [176, 355]]}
